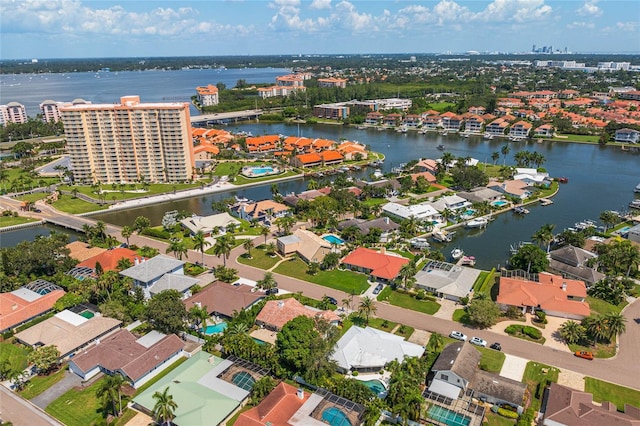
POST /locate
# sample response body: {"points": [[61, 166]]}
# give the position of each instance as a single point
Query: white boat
{"points": [[420, 243], [378, 174], [635, 204], [520, 210], [442, 236], [468, 261], [545, 202], [402, 129], [457, 253], [479, 222], [637, 188]]}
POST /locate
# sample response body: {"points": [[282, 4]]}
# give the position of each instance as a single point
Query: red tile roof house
{"points": [[451, 121], [109, 259], [276, 409], [379, 265], [137, 359], [374, 118], [262, 211], [569, 407], [553, 294], [24, 304], [546, 130], [276, 313]]}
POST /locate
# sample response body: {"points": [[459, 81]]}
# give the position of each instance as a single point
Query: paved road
{"points": [[624, 369], [21, 412]]}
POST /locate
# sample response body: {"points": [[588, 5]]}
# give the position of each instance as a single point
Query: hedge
{"points": [[527, 330], [508, 413]]}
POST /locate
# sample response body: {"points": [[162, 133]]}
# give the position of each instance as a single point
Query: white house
{"points": [[627, 135], [160, 273], [423, 212]]}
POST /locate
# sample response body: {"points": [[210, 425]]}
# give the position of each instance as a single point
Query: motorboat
{"points": [[419, 243], [479, 222], [402, 129], [457, 253], [637, 188], [545, 202], [468, 261], [440, 147], [442, 236], [635, 204], [378, 174], [520, 210]]}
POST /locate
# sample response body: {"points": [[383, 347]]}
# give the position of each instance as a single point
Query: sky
{"points": [[125, 28]]}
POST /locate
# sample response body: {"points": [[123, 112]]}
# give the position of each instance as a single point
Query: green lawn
{"points": [[374, 202], [605, 391], [78, 407], [491, 360], [39, 384], [14, 220], [460, 315], [347, 281], [75, 205], [409, 302], [382, 324], [577, 138], [33, 197], [129, 192], [16, 355], [241, 180], [493, 419], [600, 350], [599, 306], [259, 259], [404, 331], [229, 168], [534, 374]]}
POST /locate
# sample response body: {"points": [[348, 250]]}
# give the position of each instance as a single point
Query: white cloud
{"points": [[631, 26], [73, 17], [576, 25], [350, 19], [320, 4], [590, 8]]}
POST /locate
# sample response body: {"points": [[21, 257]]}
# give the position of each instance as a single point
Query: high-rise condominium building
{"points": [[13, 112], [129, 142]]}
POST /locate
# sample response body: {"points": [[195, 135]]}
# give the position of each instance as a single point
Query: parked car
{"points": [[584, 354], [457, 335], [496, 346], [273, 290], [331, 300], [378, 289], [478, 341]]}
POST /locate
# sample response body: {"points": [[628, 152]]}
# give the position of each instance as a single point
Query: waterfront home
{"points": [[427, 165], [412, 121], [158, 274], [276, 313], [262, 143], [513, 188], [454, 203], [352, 151], [431, 122], [423, 212], [334, 111], [633, 234], [293, 199], [28, 302], [207, 95], [545, 131], [214, 224], [387, 226], [532, 176], [473, 124], [374, 118], [369, 350], [392, 119], [571, 262], [306, 244], [264, 211], [456, 374], [138, 359], [555, 295], [223, 299], [520, 129], [451, 121], [497, 127], [563, 406], [627, 136], [480, 195], [446, 280], [276, 409], [426, 175], [379, 265], [68, 331], [313, 159]]}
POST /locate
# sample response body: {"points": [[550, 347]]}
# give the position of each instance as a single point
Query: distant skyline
{"points": [[105, 28]]}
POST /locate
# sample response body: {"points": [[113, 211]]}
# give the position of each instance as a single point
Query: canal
{"points": [[600, 178]]}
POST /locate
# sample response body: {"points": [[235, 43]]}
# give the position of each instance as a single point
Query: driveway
{"points": [[69, 381], [513, 367], [447, 308]]}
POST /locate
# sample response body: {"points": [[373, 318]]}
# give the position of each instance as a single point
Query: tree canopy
{"points": [[166, 312]]}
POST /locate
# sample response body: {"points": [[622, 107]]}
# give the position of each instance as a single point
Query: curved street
{"points": [[623, 369]]}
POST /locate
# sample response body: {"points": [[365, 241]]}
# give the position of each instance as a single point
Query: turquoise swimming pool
{"points": [[335, 417], [215, 329], [376, 386], [500, 203], [262, 170], [333, 239], [447, 416]]}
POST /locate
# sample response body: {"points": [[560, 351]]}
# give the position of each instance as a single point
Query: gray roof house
{"points": [[571, 261], [456, 371], [149, 273], [367, 349], [480, 195], [446, 279], [385, 224]]}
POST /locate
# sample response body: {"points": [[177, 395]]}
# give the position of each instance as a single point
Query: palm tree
{"points": [[200, 315], [165, 406], [110, 392], [367, 307], [267, 282], [505, 151], [177, 247], [447, 158], [223, 247], [544, 235], [264, 231], [609, 218], [436, 342], [248, 245], [616, 324], [200, 243], [495, 156], [346, 303], [100, 229], [596, 327], [126, 232], [237, 329], [407, 274], [572, 332]]}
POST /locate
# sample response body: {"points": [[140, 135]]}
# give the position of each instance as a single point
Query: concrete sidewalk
{"points": [[513, 367]]}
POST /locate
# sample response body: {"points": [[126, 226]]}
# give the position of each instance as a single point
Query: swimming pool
{"points": [[333, 239], [447, 416], [376, 386], [335, 417], [624, 230], [500, 203], [258, 341], [215, 329], [262, 170], [256, 171], [468, 212]]}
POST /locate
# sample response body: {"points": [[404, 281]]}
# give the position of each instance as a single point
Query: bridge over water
{"points": [[226, 117]]}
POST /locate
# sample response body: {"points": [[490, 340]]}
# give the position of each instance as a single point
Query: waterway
{"points": [[12, 238], [108, 87], [599, 179]]}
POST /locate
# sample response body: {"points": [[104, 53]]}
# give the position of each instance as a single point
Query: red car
{"points": [[584, 354]]}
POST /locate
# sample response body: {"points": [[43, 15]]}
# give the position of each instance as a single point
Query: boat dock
{"points": [[545, 202]]}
